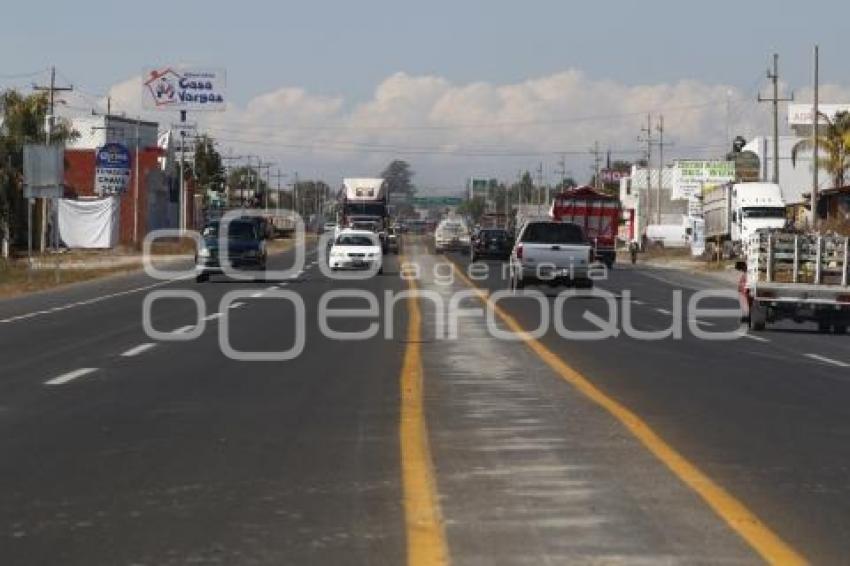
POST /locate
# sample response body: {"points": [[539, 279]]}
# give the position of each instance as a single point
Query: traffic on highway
{"points": [[282, 313]]}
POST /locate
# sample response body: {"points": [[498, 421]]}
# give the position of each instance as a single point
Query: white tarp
{"points": [[89, 223]]}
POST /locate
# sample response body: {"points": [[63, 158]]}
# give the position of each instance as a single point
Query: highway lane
{"points": [[760, 416], [178, 454], [169, 452]]}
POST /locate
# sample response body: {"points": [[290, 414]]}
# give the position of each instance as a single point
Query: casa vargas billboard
{"points": [[183, 88]]}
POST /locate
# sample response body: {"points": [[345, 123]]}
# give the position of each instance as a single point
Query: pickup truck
{"points": [[796, 276], [555, 253]]}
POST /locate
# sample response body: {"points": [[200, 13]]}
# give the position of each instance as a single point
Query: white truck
{"points": [[801, 277], [734, 211], [551, 252], [364, 205]]}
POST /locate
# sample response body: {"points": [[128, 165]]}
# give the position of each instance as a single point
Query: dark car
{"points": [[393, 242], [494, 243], [246, 248]]}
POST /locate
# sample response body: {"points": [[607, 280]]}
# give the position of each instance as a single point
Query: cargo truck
{"points": [[598, 215], [734, 211], [364, 203], [794, 276]]}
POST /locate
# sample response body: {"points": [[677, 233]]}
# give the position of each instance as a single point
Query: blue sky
{"points": [[349, 46], [346, 50]]}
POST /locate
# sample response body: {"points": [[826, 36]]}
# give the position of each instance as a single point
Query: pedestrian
{"points": [[633, 251]]}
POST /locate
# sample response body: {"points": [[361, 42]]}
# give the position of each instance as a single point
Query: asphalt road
{"points": [[119, 448]]}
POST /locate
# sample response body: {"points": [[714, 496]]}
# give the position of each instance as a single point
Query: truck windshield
{"points": [[365, 209], [764, 212], [552, 233]]}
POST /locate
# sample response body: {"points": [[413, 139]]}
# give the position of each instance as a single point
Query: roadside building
{"points": [[641, 205], [149, 203]]}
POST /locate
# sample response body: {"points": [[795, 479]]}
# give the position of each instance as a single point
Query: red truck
{"points": [[597, 213]]}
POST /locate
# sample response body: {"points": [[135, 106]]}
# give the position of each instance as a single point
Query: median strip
{"points": [[739, 518]]}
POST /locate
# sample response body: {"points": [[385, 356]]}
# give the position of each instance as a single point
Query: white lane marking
{"points": [[138, 350], [71, 375], [638, 302], [237, 305], [89, 301], [183, 329], [756, 338], [826, 360], [257, 295], [663, 311], [702, 322], [272, 288], [213, 316]]}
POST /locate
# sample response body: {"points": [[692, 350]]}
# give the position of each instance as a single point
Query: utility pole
{"points": [[660, 129], [278, 176], [597, 160], [647, 137], [816, 144], [51, 90], [540, 186], [775, 99]]}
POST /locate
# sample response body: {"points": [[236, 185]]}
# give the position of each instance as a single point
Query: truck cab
{"points": [[756, 206]]}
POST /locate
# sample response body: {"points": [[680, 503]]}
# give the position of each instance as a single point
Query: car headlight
{"points": [[336, 253]]}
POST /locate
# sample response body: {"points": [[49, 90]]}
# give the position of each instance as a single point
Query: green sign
{"points": [[436, 201]]}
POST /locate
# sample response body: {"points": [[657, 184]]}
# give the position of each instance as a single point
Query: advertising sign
{"points": [[177, 88], [801, 114], [612, 176], [689, 176], [747, 167], [111, 169]]}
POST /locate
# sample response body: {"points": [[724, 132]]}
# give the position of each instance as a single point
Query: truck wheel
{"points": [[840, 329], [758, 317]]}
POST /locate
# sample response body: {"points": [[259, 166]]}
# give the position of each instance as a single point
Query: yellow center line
{"points": [[426, 539], [743, 521]]}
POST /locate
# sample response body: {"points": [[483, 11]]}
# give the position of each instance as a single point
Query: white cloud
{"points": [[450, 131]]}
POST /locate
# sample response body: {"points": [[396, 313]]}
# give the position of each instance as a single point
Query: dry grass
{"points": [[17, 279]]}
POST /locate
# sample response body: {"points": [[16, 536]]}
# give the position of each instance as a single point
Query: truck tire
{"points": [[758, 317], [840, 329]]}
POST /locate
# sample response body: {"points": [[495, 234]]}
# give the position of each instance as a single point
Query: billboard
{"points": [[801, 114], [111, 169], [182, 88], [689, 175]]}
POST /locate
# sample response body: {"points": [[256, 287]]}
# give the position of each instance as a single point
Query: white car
{"points": [[356, 249], [451, 235]]}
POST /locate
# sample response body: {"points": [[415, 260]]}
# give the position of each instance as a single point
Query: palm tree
{"points": [[834, 140]]}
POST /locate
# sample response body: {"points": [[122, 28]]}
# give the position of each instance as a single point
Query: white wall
{"points": [[794, 179]]}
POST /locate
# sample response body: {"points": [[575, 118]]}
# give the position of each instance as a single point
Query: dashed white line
{"points": [[141, 348], [272, 288], [183, 329], [663, 311], [71, 375], [826, 360], [756, 338], [213, 316], [237, 305], [88, 301], [638, 302], [257, 295]]}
